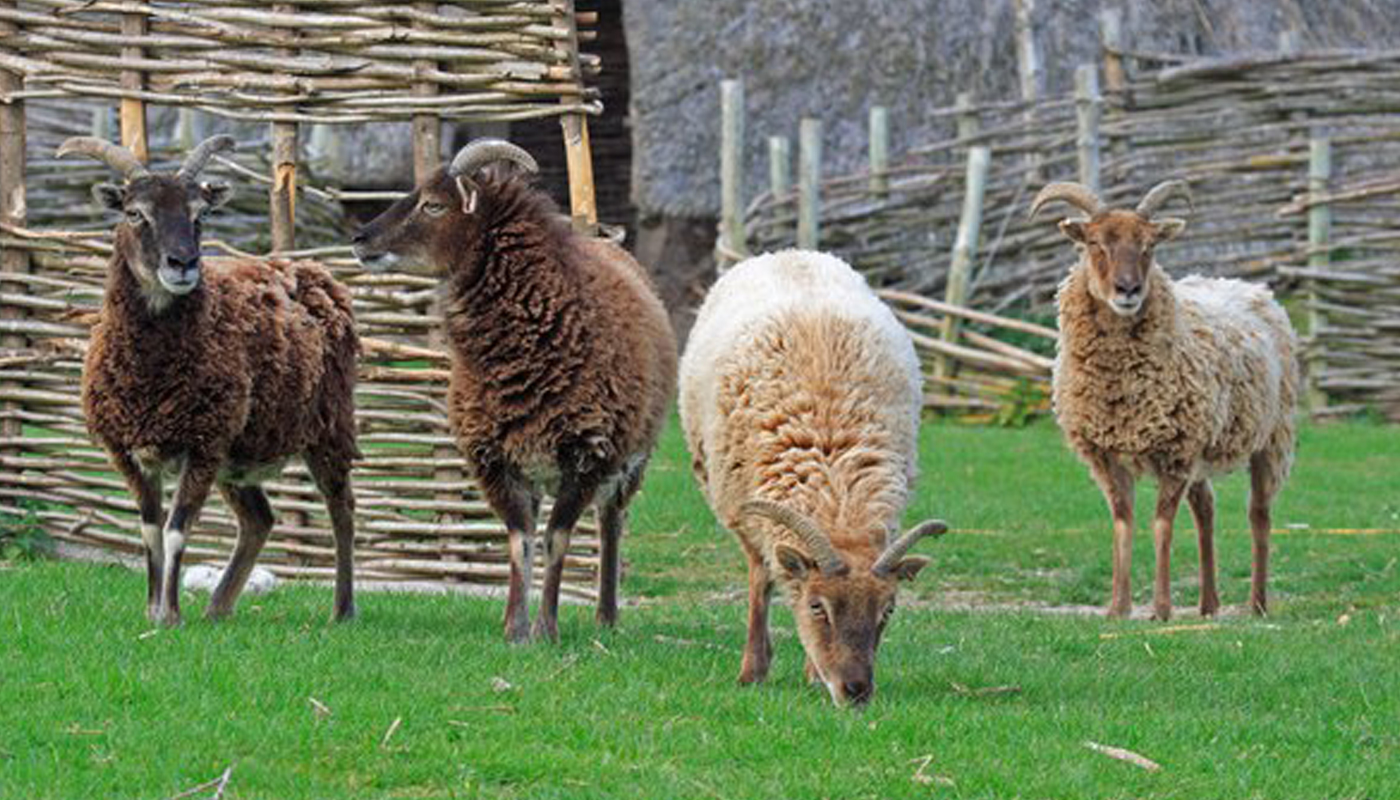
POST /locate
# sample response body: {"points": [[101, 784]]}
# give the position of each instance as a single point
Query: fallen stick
{"points": [[1168, 630], [217, 785], [1124, 755]]}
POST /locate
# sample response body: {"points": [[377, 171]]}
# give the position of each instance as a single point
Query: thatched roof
{"points": [[835, 58]]}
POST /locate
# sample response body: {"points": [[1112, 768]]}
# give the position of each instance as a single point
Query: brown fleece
{"points": [[255, 365], [563, 357]]}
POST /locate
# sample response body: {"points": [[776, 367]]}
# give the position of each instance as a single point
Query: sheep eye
{"points": [[434, 209], [818, 610], [135, 217]]}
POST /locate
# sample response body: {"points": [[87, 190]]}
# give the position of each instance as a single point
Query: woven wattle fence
{"points": [[1248, 133], [419, 517]]}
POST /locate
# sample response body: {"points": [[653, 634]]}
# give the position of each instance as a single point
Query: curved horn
{"points": [[897, 549], [1161, 193], [115, 156], [818, 543], [481, 152], [1076, 194], [200, 155]]}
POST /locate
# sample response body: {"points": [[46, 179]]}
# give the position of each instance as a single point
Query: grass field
{"points": [[420, 698]]}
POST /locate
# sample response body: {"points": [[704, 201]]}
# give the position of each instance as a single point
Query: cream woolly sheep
{"points": [[800, 398], [1179, 380]]}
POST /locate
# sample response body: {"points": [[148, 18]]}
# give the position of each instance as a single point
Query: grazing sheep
{"points": [[214, 373], [563, 359], [1179, 380], [800, 399]]}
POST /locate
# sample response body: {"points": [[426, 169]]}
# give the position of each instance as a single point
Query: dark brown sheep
{"points": [[215, 373], [564, 362]]}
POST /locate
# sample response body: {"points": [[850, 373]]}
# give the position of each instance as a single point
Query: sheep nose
{"points": [[1127, 287], [182, 263], [359, 237], [857, 691]]}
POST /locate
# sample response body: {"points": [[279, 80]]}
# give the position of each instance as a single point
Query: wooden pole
{"points": [[283, 194], [427, 128], [1319, 258], [1115, 76], [964, 250], [1031, 73], [583, 202], [133, 110], [1087, 104], [731, 175], [14, 209], [809, 179], [969, 123], [879, 151], [779, 166]]}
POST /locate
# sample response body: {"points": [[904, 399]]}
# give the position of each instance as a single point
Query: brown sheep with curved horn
{"points": [[215, 373], [563, 359], [800, 399], [1180, 380]]}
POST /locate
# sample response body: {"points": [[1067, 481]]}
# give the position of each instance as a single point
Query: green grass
{"points": [[1300, 705]]}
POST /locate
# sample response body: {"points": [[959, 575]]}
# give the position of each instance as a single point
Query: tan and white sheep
{"points": [[800, 397], [1179, 380]]}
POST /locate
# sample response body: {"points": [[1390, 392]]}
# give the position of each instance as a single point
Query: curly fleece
{"points": [[799, 386], [1204, 377]]}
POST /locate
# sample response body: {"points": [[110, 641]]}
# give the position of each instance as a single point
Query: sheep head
{"points": [[1117, 245], [841, 606], [161, 215], [420, 231]]}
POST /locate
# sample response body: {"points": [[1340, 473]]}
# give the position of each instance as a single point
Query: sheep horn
{"points": [[200, 155], [115, 156], [481, 152], [1161, 193], [818, 543], [895, 552], [1076, 194]]}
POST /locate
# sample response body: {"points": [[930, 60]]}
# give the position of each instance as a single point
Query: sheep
{"points": [[563, 360], [800, 400], [1181, 380], [215, 373]]}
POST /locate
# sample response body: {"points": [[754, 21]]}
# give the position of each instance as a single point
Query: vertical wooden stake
{"points": [[879, 151], [964, 249], [779, 167], [809, 183], [283, 194], [14, 209], [1319, 258], [1032, 76], [969, 123], [133, 109], [1087, 103], [427, 128], [1115, 79], [583, 202], [731, 175]]}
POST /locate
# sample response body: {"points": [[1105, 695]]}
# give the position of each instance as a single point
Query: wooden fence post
{"points": [[1319, 258], [14, 209], [964, 249], [133, 109], [969, 123], [1032, 74], [731, 247], [1115, 79], [283, 194], [578, 152], [879, 151], [427, 127], [809, 183], [779, 166], [1087, 104]]}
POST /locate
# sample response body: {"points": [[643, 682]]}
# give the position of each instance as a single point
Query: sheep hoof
{"points": [[1120, 611], [169, 620], [1162, 613], [1259, 608], [749, 677], [544, 630], [1210, 607], [607, 617], [213, 614], [518, 634]]}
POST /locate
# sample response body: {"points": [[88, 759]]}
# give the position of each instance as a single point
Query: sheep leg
{"points": [[195, 481], [1169, 492], [512, 500], [612, 522], [1264, 484], [146, 486], [1202, 501], [1117, 486], [333, 481], [574, 496], [255, 520], [758, 650]]}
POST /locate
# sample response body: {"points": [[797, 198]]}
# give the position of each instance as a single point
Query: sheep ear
{"points": [[909, 568], [215, 193], [794, 563], [467, 189], [110, 196], [1074, 229], [1168, 228]]}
